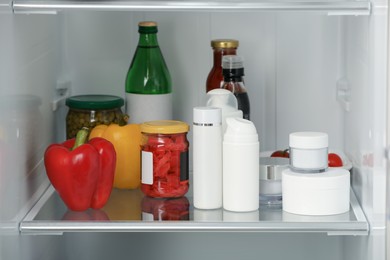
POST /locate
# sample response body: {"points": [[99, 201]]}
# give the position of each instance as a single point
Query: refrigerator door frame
{"points": [[387, 233]]}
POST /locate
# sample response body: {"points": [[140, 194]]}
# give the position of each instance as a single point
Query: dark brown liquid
{"points": [[243, 104]]}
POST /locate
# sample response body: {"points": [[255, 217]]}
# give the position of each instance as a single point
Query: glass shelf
{"points": [[329, 7], [130, 211]]}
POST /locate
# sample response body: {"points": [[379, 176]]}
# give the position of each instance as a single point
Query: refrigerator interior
{"points": [[304, 71]]}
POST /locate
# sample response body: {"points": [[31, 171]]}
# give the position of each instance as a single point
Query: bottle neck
{"points": [[219, 52], [148, 40], [233, 75], [233, 79]]}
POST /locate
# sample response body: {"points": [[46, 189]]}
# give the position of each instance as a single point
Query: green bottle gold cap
{"points": [[147, 27]]}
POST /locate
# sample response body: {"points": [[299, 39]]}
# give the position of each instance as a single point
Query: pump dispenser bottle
{"points": [[240, 166], [225, 100]]}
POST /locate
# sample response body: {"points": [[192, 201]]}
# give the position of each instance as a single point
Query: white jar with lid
{"points": [[309, 186], [308, 151], [325, 193]]}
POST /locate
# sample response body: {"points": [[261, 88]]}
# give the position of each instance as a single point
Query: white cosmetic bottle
{"points": [[240, 166], [207, 158], [225, 100]]}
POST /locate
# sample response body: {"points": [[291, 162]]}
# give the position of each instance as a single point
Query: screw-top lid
{"points": [[271, 168], [94, 102], [232, 62], [232, 66], [224, 43], [147, 27], [207, 116], [308, 140], [164, 127]]}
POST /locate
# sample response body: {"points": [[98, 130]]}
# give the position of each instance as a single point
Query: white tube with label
{"points": [[240, 166], [207, 158]]}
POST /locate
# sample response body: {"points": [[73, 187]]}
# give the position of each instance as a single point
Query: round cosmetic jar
{"points": [[308, 151], [271, 169], [325, 193]]}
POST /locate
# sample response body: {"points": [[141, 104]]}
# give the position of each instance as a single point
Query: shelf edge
{"points": [[332, 8], [30, 226], [281, 227]]}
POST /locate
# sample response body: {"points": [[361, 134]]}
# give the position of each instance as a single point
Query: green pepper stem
{"points": [[81, 137]]}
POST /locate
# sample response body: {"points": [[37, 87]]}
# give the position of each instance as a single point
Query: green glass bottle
{"points": [[148, 81]]}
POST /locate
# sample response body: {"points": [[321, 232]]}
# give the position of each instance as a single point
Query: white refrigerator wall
{"points": [[29, 67], [366, 47], [290, 64], [294, 65]]}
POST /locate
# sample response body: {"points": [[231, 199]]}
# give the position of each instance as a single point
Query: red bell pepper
{"points": [[87, 215], [82, 173]]}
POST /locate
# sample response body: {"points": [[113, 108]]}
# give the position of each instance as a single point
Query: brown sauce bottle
{"points": [[220, 47]]}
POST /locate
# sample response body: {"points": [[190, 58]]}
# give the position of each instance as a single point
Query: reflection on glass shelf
{"points": [[165, 209], [332, 7], [88, 215], [124, 205], [130, 210], [211, 215]]}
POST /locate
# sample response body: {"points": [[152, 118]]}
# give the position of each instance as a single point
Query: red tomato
{"points": [[281, 153], [334, 160]]}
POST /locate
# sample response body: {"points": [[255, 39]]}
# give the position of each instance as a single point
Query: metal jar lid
{"points": [[164, 127], [224, 43], [271, 168], [94, 102]]}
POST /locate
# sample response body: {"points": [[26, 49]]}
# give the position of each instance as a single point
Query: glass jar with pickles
{"points": [[92, 110]]}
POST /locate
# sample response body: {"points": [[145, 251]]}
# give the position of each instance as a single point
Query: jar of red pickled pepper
{"points": [[164, 159]]}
